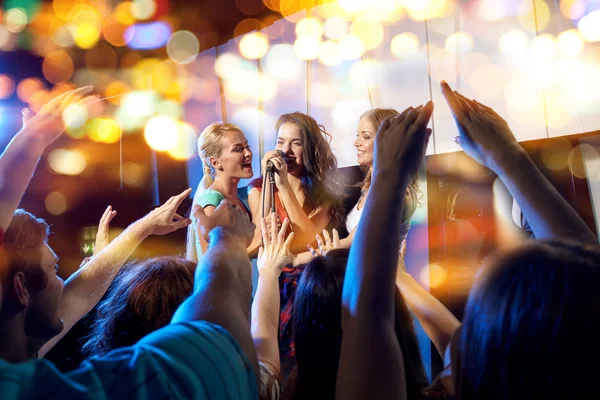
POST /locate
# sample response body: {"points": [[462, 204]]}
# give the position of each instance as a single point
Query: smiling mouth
{"points": [[247, 165]]}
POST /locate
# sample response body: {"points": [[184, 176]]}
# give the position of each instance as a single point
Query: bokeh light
{"points": [[572, 9], [405, 45], [27, 87], [254, 45], [114, 30], [101, 59], [570, 43], [351, 47], [307, 47], [161, 133], [353, 5], [103, 129], [86, 35], [528, 19], [56, 203], [148, 36], [577, 167], [143, 9], [555, 154], [66, 162], [459, 43], [75, 116], [335, 28], [57, 67], [283, 64], [15, 19], [544, 47], [589, 26], [514, 43], [330, 53], [309, 27], [7, 86], [183, 47], [227, 65], [185, 144], [369, 32], [433, 276], [520, 95], [134, 174]]}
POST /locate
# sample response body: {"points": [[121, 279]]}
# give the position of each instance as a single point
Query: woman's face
{"points": [[365, 139], [289, 141], [236, 157]]}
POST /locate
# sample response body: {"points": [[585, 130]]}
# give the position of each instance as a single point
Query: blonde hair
{"points": [[209, 146], [376, 116]]}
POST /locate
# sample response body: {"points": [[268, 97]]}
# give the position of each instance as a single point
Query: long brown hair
{"points": [[321, 181], [376, 116]]}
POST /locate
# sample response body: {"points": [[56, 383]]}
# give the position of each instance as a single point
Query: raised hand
{"points": [[325, 245], [102, 234], [231, 219], [401, 142], [47, 125], [483, 134], [164, 219], [274, 254]]}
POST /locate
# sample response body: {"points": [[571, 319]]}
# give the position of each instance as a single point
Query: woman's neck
{"points": [[295, 183], [226, 185]]}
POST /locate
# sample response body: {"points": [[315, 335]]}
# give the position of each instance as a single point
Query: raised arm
{"points": [[368, 296], [487, 138], [19, 160], [84, 289], [265, 307], [223, 281]]}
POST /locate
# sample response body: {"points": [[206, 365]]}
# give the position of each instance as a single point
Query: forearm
{"points": [[437, 321], [548, 213], [265, 320], [376, 245], [17, 165]]}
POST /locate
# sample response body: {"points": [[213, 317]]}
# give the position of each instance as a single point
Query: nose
{"points": [[356, 142], [286, 148], [248, 153]]}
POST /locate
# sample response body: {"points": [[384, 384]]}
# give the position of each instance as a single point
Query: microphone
{"points": [[270, 166]]}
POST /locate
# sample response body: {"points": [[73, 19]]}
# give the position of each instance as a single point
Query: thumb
{"points": [[26, 115], [260, 252]]}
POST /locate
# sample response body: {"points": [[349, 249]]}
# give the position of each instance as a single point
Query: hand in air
{"points": [[274, 254], [401, 142], [483, 134], [102, 234], [327, 244], [47, 125], [164, 219], [231, 219]]}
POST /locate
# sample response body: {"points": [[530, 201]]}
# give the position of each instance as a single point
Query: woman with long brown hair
{"points": [[308, 186]]}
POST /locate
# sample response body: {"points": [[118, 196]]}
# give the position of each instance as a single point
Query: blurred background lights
{"points": [[161, 133], [351, 47], [75, 116], [143, 9], [369, 32], [104, 129], [227, 65], [56, 203], [433, 276], [185, 145], [589, 26], [335, 28], [570, 43], [573, 9], [66, 162], [514, 43], [527, 17], [57, 67], [544, 47], [283, 64], [307, 47], [254, 45], [7, 86], [183, 47], [15, 19], [353, 5], [404, 45], [309, 27], [147, 36], [459, 43], [330, 53]]}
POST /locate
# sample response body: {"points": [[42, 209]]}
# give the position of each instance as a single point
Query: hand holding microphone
{"points": [[270, 164], [273, 162]]}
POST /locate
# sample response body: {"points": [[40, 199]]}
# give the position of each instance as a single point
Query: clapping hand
{"points": [[327, 244], [274, 254], [102, 234]]}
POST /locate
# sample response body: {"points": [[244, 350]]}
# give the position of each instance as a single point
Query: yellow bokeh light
{"points": [[123, 13], [63, 37], [370, 33], [309, 27], [330, 53], [405, 45], [133, 174], [254, 45], [527, 16], [57, 67], [104, 129], [66, 162], [7, 86], [589, 26], [183, 47], [86, 35], [15, 19], [307, 47], [555, 154], [62, 8], [56, 203], [113, 31], [433, 276], [514, 43], [420, 10], [154, 74], [459, 43], [570, 43], [143, 9], [185, 143], [520, 95], [115, 90], [335, 28], [351, 47], [544, 47], [161, 133], [227, 65], [353, 5]]}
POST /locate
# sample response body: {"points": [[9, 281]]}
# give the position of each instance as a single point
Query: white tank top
{"points": [[353, 218]]}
